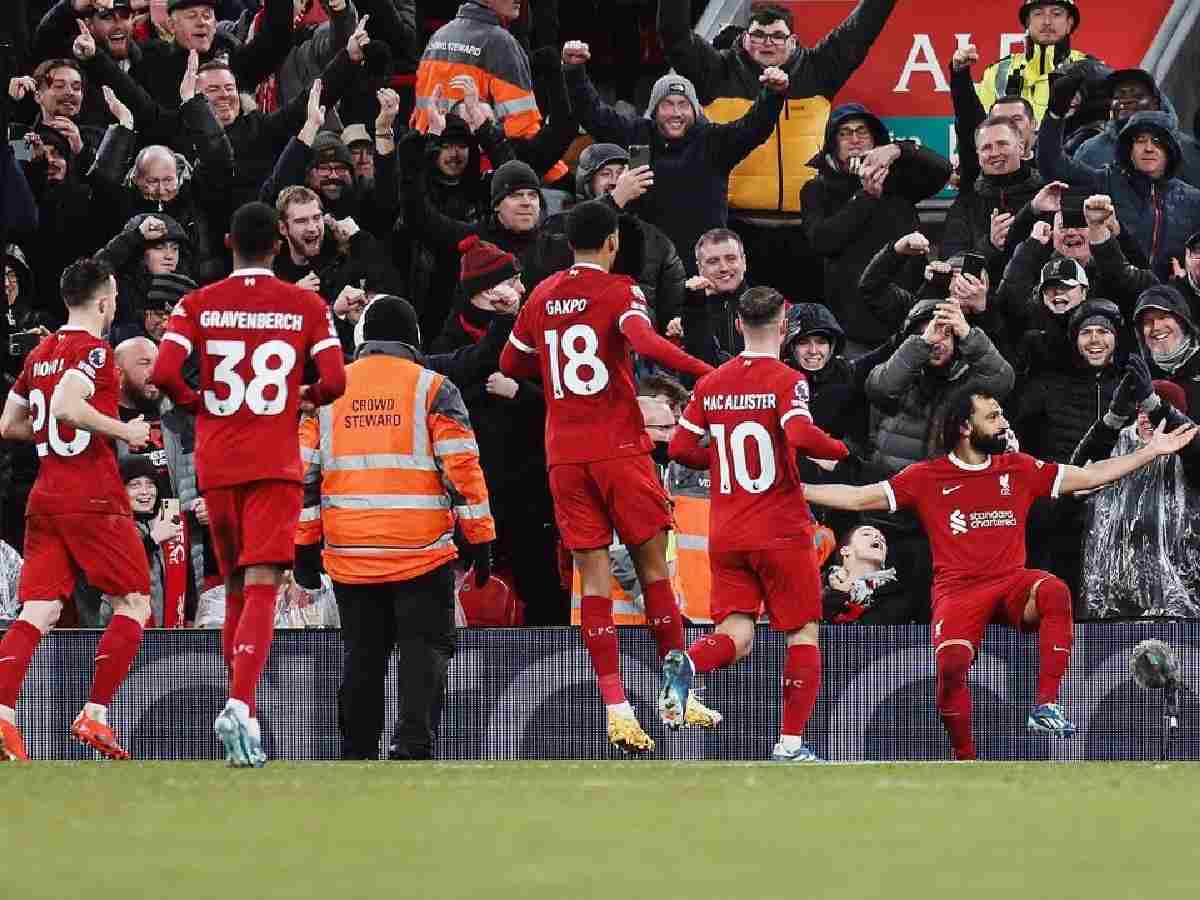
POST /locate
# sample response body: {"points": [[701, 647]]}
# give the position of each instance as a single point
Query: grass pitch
{"points": [[176, 831]]}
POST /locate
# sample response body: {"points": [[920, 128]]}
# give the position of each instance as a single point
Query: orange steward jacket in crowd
{"points": [[388, 469], [475, 43]]}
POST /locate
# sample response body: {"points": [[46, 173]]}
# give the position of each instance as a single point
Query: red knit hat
{"points": [[1173, 394], [484, 265]]}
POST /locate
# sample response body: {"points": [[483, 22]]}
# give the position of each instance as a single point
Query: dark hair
{"points": [[993, 121], [957, 410], [217, 65], [42, 73], [1014, 98], [254, 230], [651, 385], [760, 306], [589, 225], [768, 14], [82, 279]]}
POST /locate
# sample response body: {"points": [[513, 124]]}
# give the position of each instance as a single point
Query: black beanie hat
{"points": [[484, 265], [391, 318], [513, 176], [168, 289], [327, 147], [456, 132], [137, 465]]}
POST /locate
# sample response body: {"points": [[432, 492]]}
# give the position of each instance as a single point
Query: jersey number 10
{"points": [[576, 358], [735, 449]]}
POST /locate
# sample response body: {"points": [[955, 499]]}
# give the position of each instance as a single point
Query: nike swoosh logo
{"points": [[100, 657], [946, 491], [1063, 649], [4, 659]]}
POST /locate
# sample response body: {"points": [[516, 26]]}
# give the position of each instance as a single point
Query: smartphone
{"points": [[1073, 217], [973, 264], [169, 509], [938, 286], [639, 155], [22, 342]]}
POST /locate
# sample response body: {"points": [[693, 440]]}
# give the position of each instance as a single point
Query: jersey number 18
{"points": [[577, 358]]}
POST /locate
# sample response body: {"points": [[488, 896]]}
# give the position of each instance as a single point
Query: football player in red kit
{"points": [[973, 505], [754, 410], [78, 521], [576, 331], [253, 335]]}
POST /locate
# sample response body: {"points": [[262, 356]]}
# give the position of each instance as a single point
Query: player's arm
{"points": [[849, 497], [1098, 474], [519, 360], [640, 333], [69, 405], [15, 422], [804, 436], [173, 351], [685, 446], [331, 373]]}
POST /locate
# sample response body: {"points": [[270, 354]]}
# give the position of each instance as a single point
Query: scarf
{"points": [[1172, 361]]}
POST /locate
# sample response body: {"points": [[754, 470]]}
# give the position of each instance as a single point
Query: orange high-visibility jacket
{"points": [[388, 468]]}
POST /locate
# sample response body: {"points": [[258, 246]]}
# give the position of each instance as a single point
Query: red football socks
{"points": [[712, 652], [954, 697], [16, 653], [114, 656], [801, 684], [252, 643], [663, 616], [600, 638], [1055, 633], [234, 604]]}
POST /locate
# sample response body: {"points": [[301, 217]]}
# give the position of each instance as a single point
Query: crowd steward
{"points": [[424, 161]]}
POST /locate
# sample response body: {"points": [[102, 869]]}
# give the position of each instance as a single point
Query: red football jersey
{"points": [[757, 502], [974, 515], [253, 334], [77, 470], [572, 322]]}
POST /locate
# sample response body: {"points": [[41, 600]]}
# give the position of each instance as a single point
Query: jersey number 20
{"points": [[271, 363], [577, 357], [735, 449], [41, 409]]}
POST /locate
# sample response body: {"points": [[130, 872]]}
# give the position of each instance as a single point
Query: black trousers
{"points": [[417, 618]]}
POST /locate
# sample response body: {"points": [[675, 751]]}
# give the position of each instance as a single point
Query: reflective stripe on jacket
{"points": [[770, 178], [1034, 66], [388, 469]]}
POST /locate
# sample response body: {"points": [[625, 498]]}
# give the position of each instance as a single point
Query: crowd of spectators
{"points": [[434, 164]]}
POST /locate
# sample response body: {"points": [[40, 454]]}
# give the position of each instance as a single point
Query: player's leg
{"points": [[958, 626], [641, 511], [801, 685], [109, 551], [114, 657], [20, 642], [791, 586], [235, 602], [1047, 607]]}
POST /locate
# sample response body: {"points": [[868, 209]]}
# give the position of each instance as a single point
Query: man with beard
{"points": [[323, 254], [973, 503], [1134, 91], [57, 86], [141, 397], [321, 161]]}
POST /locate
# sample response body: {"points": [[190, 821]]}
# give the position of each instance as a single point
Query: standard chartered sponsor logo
{"points": [[961, 523], [958, 522]]}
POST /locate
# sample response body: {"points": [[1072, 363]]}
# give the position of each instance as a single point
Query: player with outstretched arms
{"points": [[973, 504], [576, 331], [78, 521], [754, 411], [253, 335]]}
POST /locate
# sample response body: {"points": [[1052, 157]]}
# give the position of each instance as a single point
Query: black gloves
{"points": [[480, 558], [1062, 91], [306, 568], [1135, 387]]}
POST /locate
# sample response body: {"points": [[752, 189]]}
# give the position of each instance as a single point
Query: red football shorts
{"points": [[785, 579], [106, 549], [961, 614], [254, 524], [593, 499]]}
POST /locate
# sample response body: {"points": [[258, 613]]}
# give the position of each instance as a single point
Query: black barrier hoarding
{"points": [[529, 694]]}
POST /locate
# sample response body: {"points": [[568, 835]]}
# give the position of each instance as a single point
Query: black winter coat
{"points": [[969, 221], [1056, 408]]}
